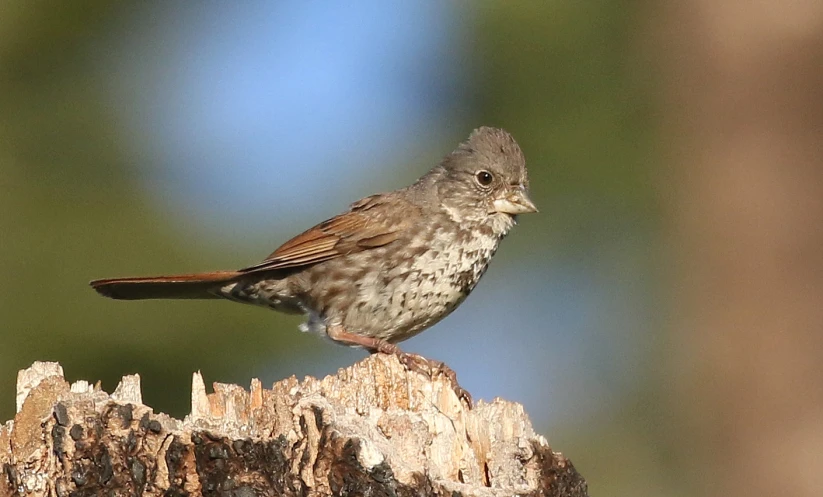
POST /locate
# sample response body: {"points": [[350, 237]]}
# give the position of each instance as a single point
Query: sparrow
{"points": [[389, 267]]}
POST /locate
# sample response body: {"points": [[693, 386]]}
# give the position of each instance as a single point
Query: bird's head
{"points": [[485, 180]]}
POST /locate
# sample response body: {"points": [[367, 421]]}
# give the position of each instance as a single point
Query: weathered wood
{"points": [[372, 429]]}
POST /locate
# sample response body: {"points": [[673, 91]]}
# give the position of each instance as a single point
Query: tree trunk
{"points": [[373, 429], [745, 99]]}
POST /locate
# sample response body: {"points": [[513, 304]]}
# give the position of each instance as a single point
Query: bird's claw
{"points": [[430, 369]]}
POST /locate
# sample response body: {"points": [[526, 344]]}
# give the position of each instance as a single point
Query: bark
{"points": [[372, 429]]}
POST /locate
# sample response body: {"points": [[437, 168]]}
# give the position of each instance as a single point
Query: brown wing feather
{"points": [[365, 226]]}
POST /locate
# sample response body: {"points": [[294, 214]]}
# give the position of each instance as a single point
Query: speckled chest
{"points": [[397, 291]]}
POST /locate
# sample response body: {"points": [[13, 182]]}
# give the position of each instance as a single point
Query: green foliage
{"points": [[566, 79]]}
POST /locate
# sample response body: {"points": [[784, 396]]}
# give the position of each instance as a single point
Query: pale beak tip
{"points": [[519, 203], [527, 203]]}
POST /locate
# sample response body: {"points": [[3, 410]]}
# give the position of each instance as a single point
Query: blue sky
{"points": [[239, 105]]}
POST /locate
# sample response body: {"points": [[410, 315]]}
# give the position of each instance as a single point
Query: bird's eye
{"points": [[484, 178]]}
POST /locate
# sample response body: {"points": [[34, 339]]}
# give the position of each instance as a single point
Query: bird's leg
{"points": [[412, 362], [339, 334]]}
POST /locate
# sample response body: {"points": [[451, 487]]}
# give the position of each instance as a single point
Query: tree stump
{"points": [[373, 429]]}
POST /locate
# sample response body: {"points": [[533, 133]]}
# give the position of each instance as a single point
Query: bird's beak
{"points": [[515, 202]]}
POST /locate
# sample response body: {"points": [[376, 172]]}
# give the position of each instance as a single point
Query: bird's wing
{"points": [[368, 224]]}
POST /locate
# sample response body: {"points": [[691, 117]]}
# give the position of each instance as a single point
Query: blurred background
{"points": [[661, 318]]}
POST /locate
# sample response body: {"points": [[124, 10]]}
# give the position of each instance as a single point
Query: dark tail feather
{"points": [[184, 286]]}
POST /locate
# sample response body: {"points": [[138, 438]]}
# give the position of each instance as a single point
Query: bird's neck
{"points": [[501, 223], [495, 225]]}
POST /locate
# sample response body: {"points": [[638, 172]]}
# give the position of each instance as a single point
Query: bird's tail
{"points": [[183, 286]]}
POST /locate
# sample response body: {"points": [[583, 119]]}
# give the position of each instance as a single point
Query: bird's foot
{"points": [[430, 369], [412, 362]]}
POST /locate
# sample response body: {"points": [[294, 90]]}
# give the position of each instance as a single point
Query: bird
{"points": [[390, 266]]}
